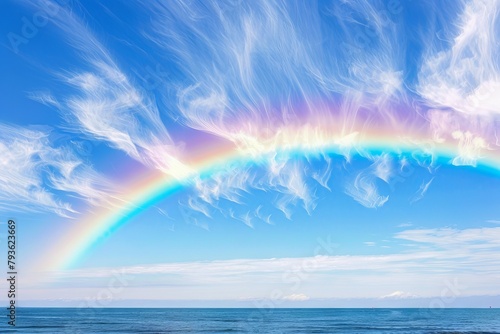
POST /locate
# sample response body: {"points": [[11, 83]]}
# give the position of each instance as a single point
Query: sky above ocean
{"points": [[284, 153]]}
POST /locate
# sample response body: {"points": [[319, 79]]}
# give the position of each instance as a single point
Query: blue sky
{"points": [[361, 162]]}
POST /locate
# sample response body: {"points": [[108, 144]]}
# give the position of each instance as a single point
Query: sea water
{"points": [[210, 320]]}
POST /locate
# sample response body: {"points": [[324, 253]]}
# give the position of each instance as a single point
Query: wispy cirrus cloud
{"points": [[105, 104], [37, 176], [460, 78], [420, 193], [364, 189], [231, 61], [471, 52], [236, 90], [272, 77]]}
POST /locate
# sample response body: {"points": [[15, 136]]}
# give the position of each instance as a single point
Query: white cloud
{"points": [[296, 297], [234, 89], [283, 176], [473, 136], [448, 237], [33, 171], [420, 193], [399, 295], [460, 82], [465, 259], [493, 221], [105, 104], [364, 189], [466, 76]]}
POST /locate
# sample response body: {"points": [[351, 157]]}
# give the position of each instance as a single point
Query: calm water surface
{"points": [[130, 320]]}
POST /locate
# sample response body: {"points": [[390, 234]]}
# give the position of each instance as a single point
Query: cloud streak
{"points": [[106, 106], [450, 255], [472, 54], [33, 170]]}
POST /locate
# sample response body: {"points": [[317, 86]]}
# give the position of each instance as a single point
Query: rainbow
{"points": [[149, 189]]}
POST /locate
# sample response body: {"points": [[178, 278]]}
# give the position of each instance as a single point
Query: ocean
{"points": [[210, 320]]}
